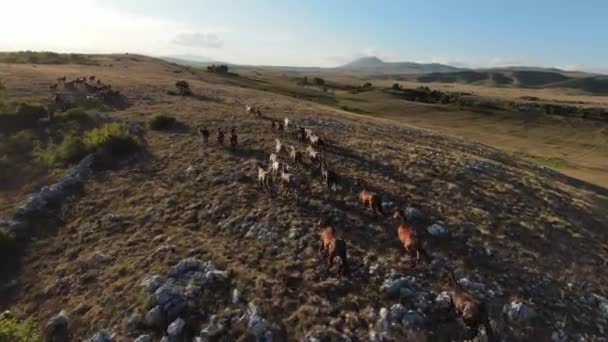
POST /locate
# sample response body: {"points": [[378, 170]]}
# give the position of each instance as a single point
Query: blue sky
{"points": [[566, 34]]}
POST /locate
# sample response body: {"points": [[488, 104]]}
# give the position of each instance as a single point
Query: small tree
{"points": [[318, 81], [367, 85], [183, 88], [396, 86]]}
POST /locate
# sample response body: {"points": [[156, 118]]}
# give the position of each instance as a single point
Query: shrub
{"points": [[396, 86], [113, 138], [6, 238], [318, 81], [161, 121], [18, 331], [220, 69], [183, 88], [32, 109], [76, 114]]}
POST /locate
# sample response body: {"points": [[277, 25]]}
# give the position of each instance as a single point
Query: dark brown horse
{"points": [[332, 247]]}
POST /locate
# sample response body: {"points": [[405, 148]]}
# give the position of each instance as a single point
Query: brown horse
{"points": [[233, 137], [409, 240], [371, 200], [332, 247], [472, 311], [220, 136], [204, 133]]}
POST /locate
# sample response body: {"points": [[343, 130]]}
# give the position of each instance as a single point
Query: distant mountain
{"points": [[190, 60], [374, 65]]}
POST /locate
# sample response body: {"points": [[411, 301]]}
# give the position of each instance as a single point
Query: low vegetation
{"points": [[218, 69], [14, 330], [427, 95], [6, 240], [182, 89], [45, 57], [113, 139], [161, 121]]}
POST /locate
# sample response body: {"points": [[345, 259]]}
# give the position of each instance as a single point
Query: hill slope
{"points": [[508, 224], [374, 65]]}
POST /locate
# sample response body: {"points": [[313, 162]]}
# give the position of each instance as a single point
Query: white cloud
{"points": [[209, 40]]}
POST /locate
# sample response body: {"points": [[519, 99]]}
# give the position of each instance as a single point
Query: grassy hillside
{"points": [[508, 221]]}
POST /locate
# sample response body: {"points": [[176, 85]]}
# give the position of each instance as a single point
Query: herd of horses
{"points": [[279, 171], [95, 89]]}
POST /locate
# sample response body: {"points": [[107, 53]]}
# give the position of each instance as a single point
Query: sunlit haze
{"points": [[563, 34]]}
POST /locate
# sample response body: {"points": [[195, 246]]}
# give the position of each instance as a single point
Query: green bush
{"points": [[27, 108], [183, 88], [76, 114], [6, 237], [112, 138], [161, 121], [71, 149], [18, 331]]}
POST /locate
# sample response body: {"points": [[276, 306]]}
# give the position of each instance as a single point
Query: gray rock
{"points": [[193, 291], [393, 287], [164, 339], [261, 232], [171, 201], [56, 328], [102, 336], [155, 317], [100, 258], [185, 266], [152, 282], [437, 264], [213, 329], [176, 330], [143, 338], [257, 325], [396, 313], [443, 300], [438, 231], [135, 323], [520, 312], [169, 297], [477, 287], [236, 296], [412, 319], [406, 292], [413, 214]]}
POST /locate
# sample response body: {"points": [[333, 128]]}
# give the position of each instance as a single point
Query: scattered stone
{"points": [[261, 232], [477, 287], [520, 312], [437, 264], [413, 214], [154, 317], [212, 330], [143, 338], [443, 300], [166, 248], [100, 258], [438, 231], [393, 287], [102, 336], [257, 325], [57, 327], [170, 299], [193, 291], [135, 323], [176, 330], [412, 319], [152, 282], [171, 201], [236, 296]]}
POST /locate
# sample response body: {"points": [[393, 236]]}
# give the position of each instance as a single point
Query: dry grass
{"points": [[530, 218]]}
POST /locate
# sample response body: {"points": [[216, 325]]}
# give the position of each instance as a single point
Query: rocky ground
{"points": [[180, 242]]}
